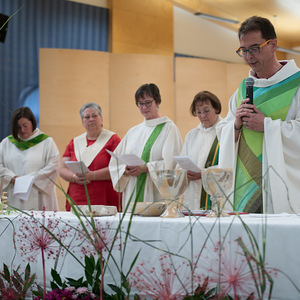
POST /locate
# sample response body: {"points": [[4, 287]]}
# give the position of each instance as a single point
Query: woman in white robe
{"points": [[29, 151], [164, 143], [198, 144]]}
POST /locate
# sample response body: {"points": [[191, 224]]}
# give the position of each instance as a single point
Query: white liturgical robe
{"points": [[197, 145], [281, 148], [42, 161], [167, 145]]}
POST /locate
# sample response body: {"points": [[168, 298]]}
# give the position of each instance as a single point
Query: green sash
{"points": [[212, 160], [274, 102], [22, 145], [141, 179]]}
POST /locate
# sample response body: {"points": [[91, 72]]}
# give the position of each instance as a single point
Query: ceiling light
{"points": [[211, 17], [288, 50]]}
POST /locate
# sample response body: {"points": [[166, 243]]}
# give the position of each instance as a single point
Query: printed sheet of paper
{"points": [[77, 166], [185, 162], [22, 187], [131, 160]]}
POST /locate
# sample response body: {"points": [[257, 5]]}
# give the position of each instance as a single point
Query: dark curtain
{"points": [[42, 24]]}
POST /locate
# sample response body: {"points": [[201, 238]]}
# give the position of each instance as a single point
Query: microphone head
{"points": [[249, 81]]}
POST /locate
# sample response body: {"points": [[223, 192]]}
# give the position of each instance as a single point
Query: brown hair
{"points": [[256, 23], [206, 96], [151, 90], [19, 113]]}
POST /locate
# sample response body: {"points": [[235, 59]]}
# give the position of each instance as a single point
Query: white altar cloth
{"points": [[183, 237]]}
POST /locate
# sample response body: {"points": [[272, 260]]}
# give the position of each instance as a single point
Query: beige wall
{"points": [[127, 73], [141, 26], [194, 75], [70, 78]]}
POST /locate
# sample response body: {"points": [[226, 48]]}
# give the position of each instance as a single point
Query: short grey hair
{"points": [[90, 105]]}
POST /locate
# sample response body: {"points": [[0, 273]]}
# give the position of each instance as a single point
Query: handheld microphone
{"points": [[249, 89]]}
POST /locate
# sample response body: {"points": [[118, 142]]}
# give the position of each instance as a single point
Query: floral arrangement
{"points": [[41, 237], [99, 248], [221, 268], [15, 285], [70, 293]]}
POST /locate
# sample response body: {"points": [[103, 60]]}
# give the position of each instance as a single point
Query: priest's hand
{"points": [[136, 170], [241, 112], [254, 120], [192, 176]]}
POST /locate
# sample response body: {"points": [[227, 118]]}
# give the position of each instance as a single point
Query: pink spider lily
{"points": [[166, 281], [39, 234]]}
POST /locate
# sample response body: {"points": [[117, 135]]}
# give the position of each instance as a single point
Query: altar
{"points": [[268, 242]]}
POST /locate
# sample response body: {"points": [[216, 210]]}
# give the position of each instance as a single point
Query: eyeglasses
{"points": [[204, 112], [146, 103], [252, 50], [87, 117]]}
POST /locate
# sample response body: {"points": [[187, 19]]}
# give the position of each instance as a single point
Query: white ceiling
{"points": [[284, 14]]}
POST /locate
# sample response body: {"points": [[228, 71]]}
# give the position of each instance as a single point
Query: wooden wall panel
{"points": [[194, 75], [141, 27], [128, 73], [69, 79], [235, 73]]}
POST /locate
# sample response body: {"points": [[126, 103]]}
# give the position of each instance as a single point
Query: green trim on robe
{"points": [[24, 145], [141, 179], [248, 178], [212, 160]]}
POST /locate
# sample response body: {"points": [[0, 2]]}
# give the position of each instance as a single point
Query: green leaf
{"points": [[39, 292], [133, 263], [89, 269], [116, 289], [77, 283], [98, 268], [27, 272], [90, 263], [17, 283], [6, 273], [56, 277], [89, 276], [54, 286], [17, 276], [29, 282]]}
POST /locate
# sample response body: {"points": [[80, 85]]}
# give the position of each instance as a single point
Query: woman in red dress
{"points": [[90, 147]]}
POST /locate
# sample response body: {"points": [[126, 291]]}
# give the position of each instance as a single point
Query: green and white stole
{"points": [[212, 160], [141, 179], [24, 145], [274, 102]]}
